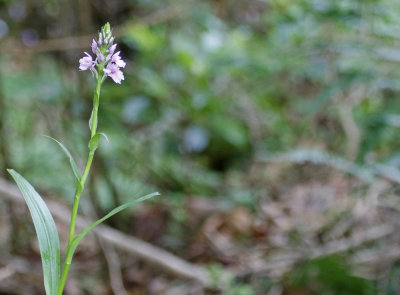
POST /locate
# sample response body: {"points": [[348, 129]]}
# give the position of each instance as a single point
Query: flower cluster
{"points": [[106, 62]]}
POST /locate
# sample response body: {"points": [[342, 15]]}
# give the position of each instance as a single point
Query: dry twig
{"points": [[111, 256], [143, 250], [78, 42]]}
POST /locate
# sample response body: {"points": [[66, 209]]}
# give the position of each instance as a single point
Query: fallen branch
{"points": [[78, 42], [110, 255], [284, 260], [141, 249]]}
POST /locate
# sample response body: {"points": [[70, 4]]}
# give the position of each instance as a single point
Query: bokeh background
{"points": [[270, 128]]}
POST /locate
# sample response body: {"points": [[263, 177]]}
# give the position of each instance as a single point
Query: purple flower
{"points": [[86, 63], [113, 71], [111, 51], [117, 60], [94, 46], [106, 62], [100, 56], [113, 68]]}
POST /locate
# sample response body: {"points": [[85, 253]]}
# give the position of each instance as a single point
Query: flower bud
{"points": [[105, 36]]}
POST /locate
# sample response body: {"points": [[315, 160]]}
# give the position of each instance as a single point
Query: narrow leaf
{"points": [[105, 136], [46, 232], [71, 159], [94, 143], [90, 121], [84, 232]]}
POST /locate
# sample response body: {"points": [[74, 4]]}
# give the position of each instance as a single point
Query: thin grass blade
{"points": [[71, 159], [84, 232]]}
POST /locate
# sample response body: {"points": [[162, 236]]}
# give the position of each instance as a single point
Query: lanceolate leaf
{"points": [[71, 159], [84, 232], [46, 231], [94, 143], [90, 121], [105, 136]]}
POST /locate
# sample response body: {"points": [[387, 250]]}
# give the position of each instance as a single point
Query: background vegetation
{"points": [[270, 127]]}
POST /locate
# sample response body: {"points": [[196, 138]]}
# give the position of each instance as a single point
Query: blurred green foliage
{"points": [[329, 275]]}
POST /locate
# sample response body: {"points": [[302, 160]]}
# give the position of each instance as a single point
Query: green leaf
{"points": [[144, 37], [46, 232], [84, 232], [94, 142], [90, 121], [105, 136], [71, 159], [230, 130]]}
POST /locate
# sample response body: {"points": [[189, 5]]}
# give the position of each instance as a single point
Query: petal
{"points": [[117, 60], [100, 56], [83, 64], [121, 63], [117, 76], [94, 46], [112, 49], [86, 62], [116, 56]]}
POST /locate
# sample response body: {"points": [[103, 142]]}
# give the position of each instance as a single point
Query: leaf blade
{"points": [[85, 231], [94, 142], [72, 162], [46, 231]]}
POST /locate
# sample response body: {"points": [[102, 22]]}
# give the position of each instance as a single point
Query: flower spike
{"points": [[106, 62]]}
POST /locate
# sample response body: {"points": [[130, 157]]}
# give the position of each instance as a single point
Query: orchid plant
{"points": [[107, 63]]}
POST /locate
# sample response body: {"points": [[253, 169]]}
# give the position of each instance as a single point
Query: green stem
{"points": [[79, 187]]}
